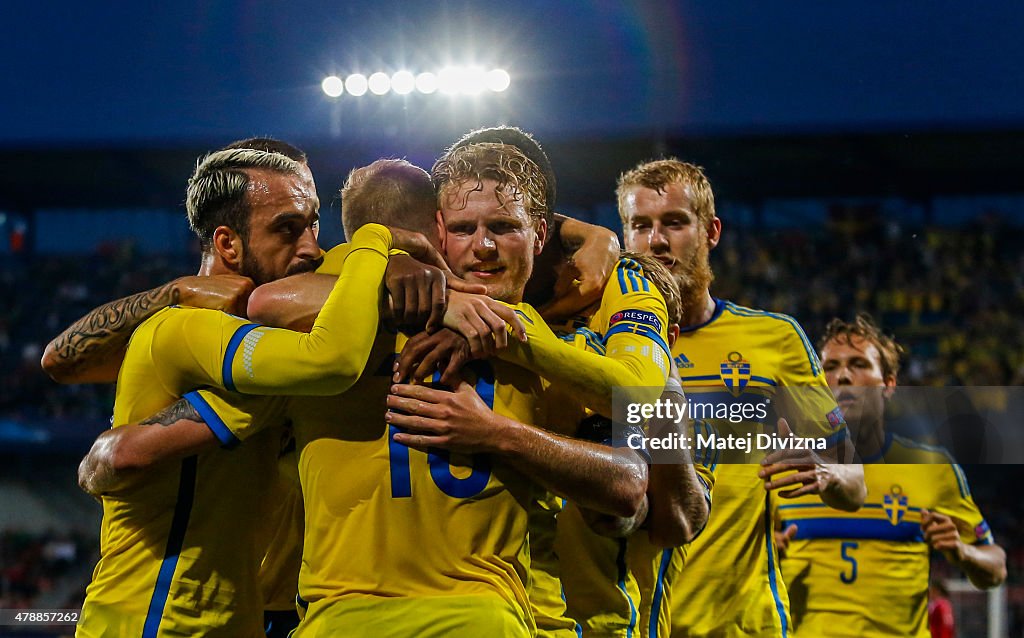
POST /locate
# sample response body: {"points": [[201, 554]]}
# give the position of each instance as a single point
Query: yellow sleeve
{"points": [[958, 503], [631, 354], [807, 403], [235, 417], [231, 353]]}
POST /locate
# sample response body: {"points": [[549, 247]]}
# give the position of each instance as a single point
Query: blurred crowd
{"points": [[952, 296], [33, 565]]}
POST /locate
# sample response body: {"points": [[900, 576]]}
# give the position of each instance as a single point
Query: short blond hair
{"points": [[216, 193], [659, 174], [662, 278], [393, 192], [517, 176]]}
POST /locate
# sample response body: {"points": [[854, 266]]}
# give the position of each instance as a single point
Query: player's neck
{"points": [[700, 312], [211, 264], [870, 439]]}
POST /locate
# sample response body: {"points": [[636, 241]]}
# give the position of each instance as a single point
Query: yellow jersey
{"points": [[402, 542], [601, 590], [179, 555], [729, 582], [865, 573]]}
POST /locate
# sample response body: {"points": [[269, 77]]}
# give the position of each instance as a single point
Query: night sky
{"points": [[173, 73]]}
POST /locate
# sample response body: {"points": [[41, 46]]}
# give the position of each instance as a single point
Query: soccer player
{"points": [[360, 571], [636, 361], [204, 581], [726, 354], [865, 573]]}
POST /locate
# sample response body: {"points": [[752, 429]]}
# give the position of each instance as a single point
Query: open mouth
{"points": [[486, 271]]}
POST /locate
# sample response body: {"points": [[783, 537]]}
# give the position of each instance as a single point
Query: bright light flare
{"points": [[498, 80], [379, 83], [332, 86], [426, 83], [473, 80], [356, 84], [403, 82], [449, 80]]}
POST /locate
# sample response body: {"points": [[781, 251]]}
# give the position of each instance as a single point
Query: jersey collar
{"points": [[719, 307]]}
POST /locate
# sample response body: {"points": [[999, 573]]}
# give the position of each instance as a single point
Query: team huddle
{"points": [[414, 433]]}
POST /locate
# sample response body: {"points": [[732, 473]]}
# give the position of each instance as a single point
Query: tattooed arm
{"points": [[91, 349], [121, 455]]}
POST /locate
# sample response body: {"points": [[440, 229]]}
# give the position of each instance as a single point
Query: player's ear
{"points": [[890, 387], [229, 246], [673, 334], [714, 232], [441, 233], [541, 235]]}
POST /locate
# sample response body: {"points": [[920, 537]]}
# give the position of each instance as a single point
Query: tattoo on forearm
{"points": [[181, 409], [108, 327]]}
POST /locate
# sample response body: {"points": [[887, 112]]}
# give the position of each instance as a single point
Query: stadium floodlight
{"points": [[473, 80], [403, 82], [426, 83], [332, 86], [356, 84], [498, 80], [379, 83], [449, 80]]}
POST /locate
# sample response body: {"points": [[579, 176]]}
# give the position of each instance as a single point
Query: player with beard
{"points": [[865, 573], [732, 585]]}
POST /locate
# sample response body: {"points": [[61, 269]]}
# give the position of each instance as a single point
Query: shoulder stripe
{"points": [[622, 279], [229, 354], [213, 421], [740, 311], [175, 541]]}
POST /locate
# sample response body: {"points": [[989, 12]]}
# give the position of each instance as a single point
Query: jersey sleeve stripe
{"points": [[620, 562], [812, 358], [641, 330], [659, 591], [175, 540], [773, 585], [229, 354], [622, 280], [213, 421]]}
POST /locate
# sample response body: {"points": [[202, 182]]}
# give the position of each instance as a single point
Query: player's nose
{"points": [[483, 244], [308, 248], [659, 242]]}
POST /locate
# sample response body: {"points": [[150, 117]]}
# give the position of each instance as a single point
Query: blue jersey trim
{"points": [[878, 456], [213, 421], [764, 380], [620, 562], [812, 358], [175, 540], [659, 590], [768, 531], [856, 528], [622, 280], [229, 354], [719, 307], [639, 329]]}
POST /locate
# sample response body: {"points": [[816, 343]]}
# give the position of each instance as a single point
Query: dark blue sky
{"points": [[185, 72]]}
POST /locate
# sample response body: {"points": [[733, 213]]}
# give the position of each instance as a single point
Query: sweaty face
{"points": [[853, 370], [488, 242], [284, 221], [666, 226]]}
